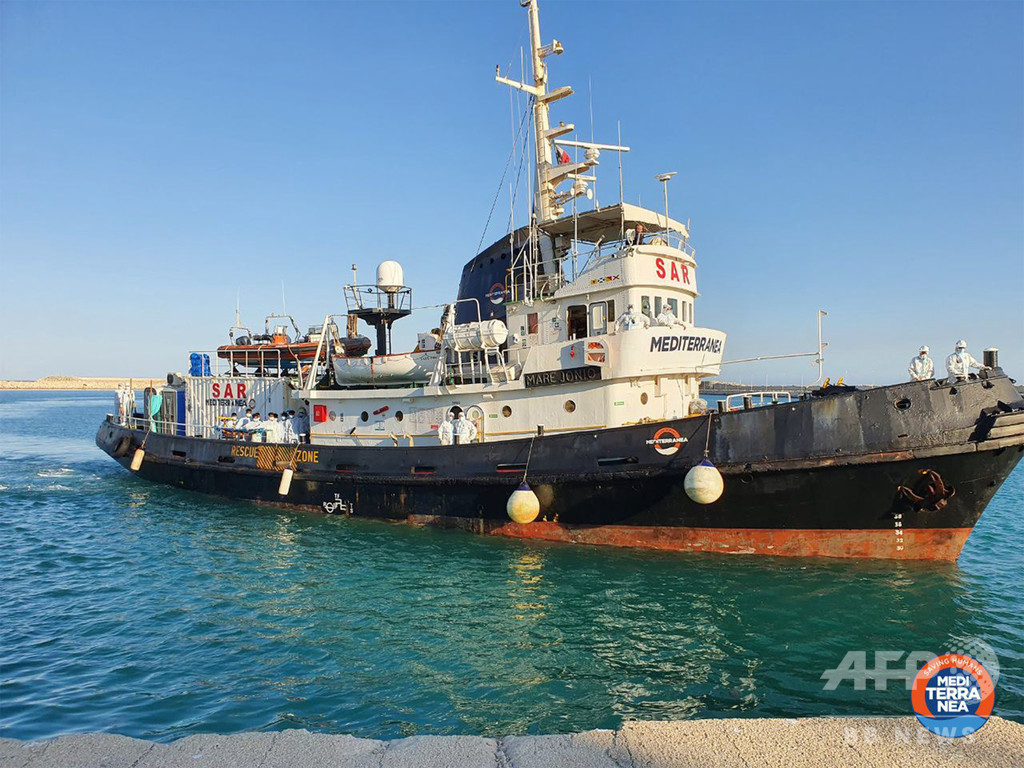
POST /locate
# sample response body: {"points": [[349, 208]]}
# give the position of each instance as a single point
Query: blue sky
{"points": [[156, 158]]}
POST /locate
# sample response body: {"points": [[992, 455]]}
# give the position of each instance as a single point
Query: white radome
{"points": [[703, 483], [390, 276]]}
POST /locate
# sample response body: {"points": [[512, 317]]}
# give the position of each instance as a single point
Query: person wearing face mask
{"points": [[465, 430], [275, 433], [631, 319], [244, 423], [921, 367], [668, 318], [959, 364], [288, 428], [446, 430], [302, 426], [256, 428]]}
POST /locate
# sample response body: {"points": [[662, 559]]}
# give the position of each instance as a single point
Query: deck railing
{"points": [[219, 431], [270, 362]]}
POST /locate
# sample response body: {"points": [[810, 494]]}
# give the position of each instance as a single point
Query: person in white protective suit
{"points": [[446, 430], [630, 319], [921, 367], [257, 428], [465, 429], [244, 424], [668, 318], [288, 428], [275, 432], [119, 399], [959, 364], [302, 426]]}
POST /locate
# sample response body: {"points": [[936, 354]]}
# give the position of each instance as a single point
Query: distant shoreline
{"points": [[79, 383]]}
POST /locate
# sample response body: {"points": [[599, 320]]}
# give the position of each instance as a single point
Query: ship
{"points": [[572, 361]]}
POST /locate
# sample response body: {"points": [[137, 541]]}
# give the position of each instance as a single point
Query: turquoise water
{"points": [[156, 613]]}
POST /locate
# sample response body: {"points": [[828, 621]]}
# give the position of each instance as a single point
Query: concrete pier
{"points": [[855, 741]]}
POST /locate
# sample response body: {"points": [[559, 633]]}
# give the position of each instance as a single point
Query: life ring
{"points": [[123, 447]]}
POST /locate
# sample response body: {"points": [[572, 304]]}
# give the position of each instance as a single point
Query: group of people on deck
{"points": [[289, 427], [456, 430], [631, 319], [958, 365]]}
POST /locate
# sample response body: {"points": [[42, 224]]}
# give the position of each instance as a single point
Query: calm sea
{"points": [[137, 609]]}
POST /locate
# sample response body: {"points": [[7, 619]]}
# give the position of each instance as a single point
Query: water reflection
{"points": [[527, 591], [170, 612]]}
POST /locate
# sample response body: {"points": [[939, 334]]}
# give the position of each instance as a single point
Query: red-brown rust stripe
{"points": [[917, 543]]}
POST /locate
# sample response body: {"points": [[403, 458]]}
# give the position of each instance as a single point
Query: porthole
{"points": [[364, 416], [903, 404], [399, 415], [643, 398], [506, 411], [570, 406]]}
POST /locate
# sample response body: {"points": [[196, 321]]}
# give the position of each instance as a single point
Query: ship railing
{"points": [[219, 431], [267, 363], [360, 298], [581, 259], [748, 400], [485, 366], [539, 286]]}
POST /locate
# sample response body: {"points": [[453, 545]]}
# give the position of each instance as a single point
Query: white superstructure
{"points": [[559, 360]]}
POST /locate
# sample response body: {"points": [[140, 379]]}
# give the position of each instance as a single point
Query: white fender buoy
{"points": [[523, 505], [703, 483], [286, 482], [137, 459]]}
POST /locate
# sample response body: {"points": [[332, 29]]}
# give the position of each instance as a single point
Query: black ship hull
{"points": [[901, 472]]}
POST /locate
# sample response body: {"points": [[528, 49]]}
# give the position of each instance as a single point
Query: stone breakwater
{"points": [[852, 741], [82, 382]]}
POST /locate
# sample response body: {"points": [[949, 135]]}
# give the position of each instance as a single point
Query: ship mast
{"points": [[547, 203]]}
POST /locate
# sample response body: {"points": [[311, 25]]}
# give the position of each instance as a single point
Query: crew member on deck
{"points": [[274, 432], [635, 236], [255, 428], [959, 364], [630, 319], [465, 429], [288, 427], [921, 367], [120, 403], [446, 430], [245, 423], [302, 426], [668, 318]]}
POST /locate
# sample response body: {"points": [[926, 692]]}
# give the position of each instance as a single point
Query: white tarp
{"points": [[208, 399]]}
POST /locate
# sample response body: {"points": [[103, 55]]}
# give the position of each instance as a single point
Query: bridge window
{"points": [[673, 307], [577, 321], [598, 318]]}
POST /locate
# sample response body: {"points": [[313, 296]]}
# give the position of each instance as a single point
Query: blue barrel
{"points": [[195, 364], [206, 365]]}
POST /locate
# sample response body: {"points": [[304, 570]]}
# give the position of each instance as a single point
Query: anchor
{"points": [[930, 492]]}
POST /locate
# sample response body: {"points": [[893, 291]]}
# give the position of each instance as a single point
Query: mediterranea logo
{"points": [[953, 695]]}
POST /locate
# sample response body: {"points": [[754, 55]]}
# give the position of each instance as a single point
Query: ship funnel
{"points": [[389, 276]]}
